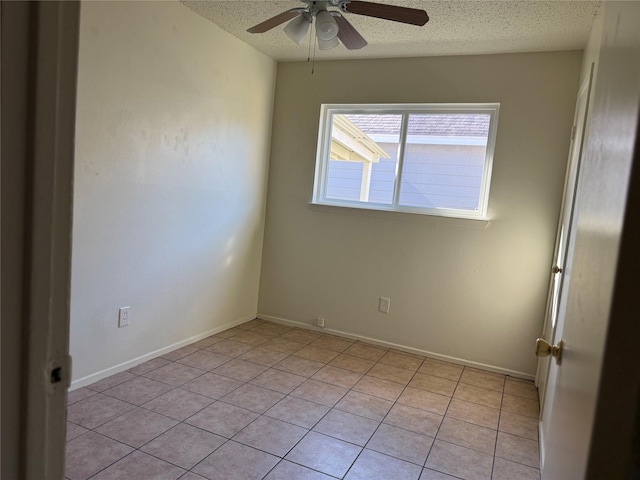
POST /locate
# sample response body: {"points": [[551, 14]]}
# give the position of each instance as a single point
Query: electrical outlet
{"points": [[383, 304], [320, 322], [124, 315]]}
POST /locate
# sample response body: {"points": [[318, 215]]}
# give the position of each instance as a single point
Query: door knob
{"points": [[544, 349]]}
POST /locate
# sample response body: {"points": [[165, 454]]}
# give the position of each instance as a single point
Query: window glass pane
{"points": [[444, 161], [363, 157], [444, 170]]}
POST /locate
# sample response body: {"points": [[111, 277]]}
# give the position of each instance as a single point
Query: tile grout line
{"points": [[435, 437], [379, 423], [495, 445]]}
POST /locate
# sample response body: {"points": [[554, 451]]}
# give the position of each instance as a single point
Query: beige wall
{"points": [[173, 129], [468, 290]]}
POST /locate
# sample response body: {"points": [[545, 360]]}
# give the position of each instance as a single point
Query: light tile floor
{"points": [[266, 401]]}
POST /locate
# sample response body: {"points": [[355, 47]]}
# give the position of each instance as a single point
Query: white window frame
{"points": [[327, 112]]}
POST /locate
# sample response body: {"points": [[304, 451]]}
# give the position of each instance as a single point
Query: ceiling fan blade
{"points": [[394, 13], [275, 21], [348, 35]]}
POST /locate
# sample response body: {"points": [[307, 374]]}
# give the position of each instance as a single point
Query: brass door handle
{"points": [[544, 349]]}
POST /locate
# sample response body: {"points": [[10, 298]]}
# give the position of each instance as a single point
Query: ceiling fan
{"points": [[331, 25]]}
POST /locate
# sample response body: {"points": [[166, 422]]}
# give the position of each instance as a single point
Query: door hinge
{"points": [[573, 133]]}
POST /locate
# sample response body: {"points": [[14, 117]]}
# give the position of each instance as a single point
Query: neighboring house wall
{"points": [[173, 131], [465, 162], [458, 288]]}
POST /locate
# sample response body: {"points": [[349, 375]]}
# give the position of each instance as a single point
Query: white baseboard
{"points": [[417, 351], [121, 367]]}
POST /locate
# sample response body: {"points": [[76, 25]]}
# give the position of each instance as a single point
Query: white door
{"points": [[558, 269], [571, 446], [554, 322]]}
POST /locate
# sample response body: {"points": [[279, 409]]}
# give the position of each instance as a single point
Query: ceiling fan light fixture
{"points": [[326, 26], [297, 28], [328, 44]]}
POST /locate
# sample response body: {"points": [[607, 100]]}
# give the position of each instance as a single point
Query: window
{"points": [[432, 159]]}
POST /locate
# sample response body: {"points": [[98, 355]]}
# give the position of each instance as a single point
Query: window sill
{"points": [[476, 222]]}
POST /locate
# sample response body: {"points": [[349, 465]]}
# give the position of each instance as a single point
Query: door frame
{"points": [[40, 49]]}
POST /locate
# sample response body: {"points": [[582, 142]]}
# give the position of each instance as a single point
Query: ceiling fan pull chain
{"points": [[315, 42], [310, 37]]}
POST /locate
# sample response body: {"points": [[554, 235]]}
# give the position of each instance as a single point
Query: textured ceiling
{"points": [[456, 27]]}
